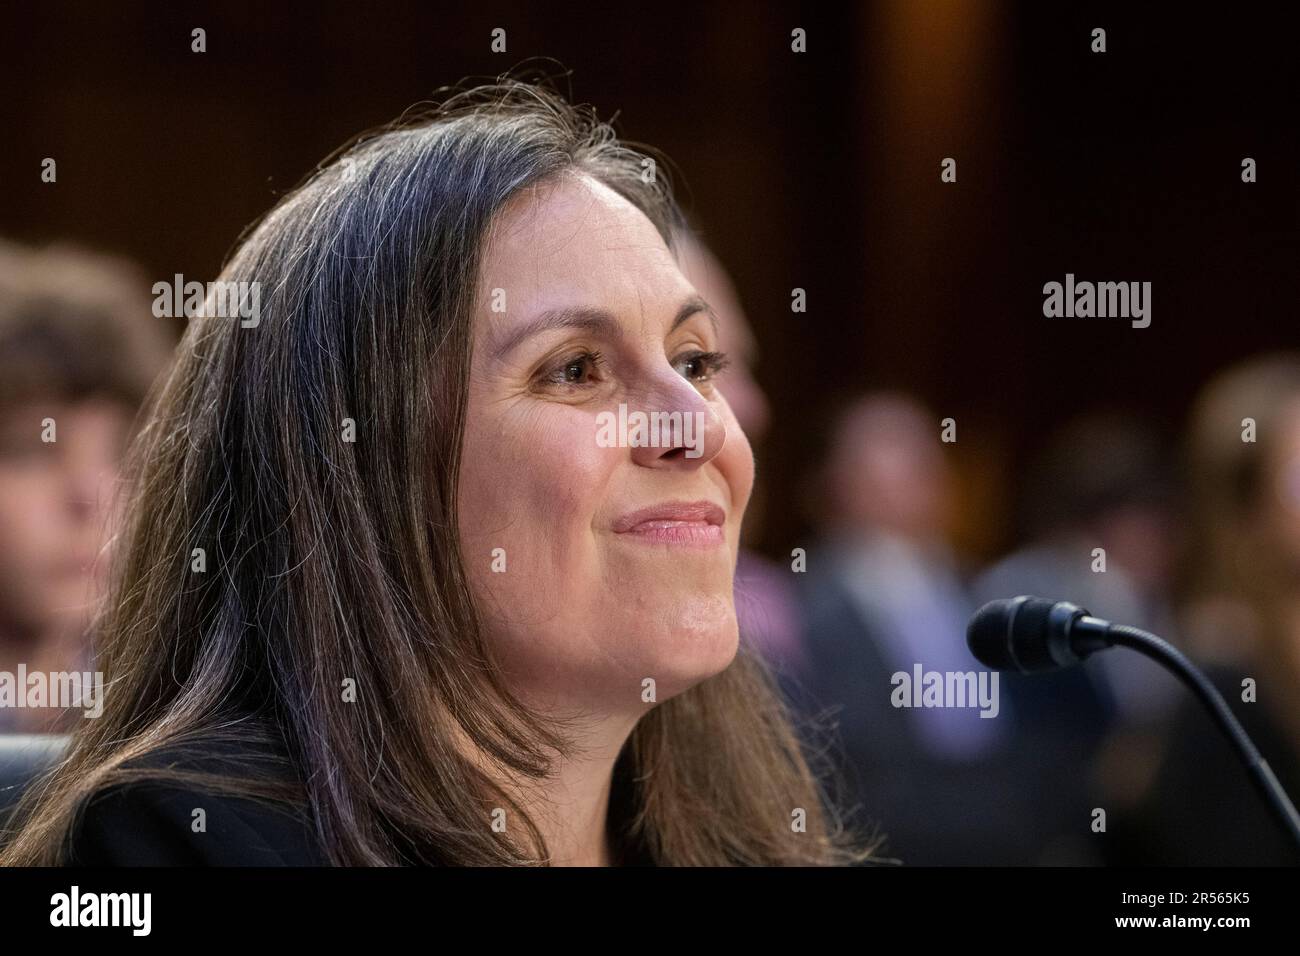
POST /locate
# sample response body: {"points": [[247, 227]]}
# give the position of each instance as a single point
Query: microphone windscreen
{"points": [[988, 634], [1011, 634]]}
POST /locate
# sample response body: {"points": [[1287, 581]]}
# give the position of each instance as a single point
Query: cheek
{"points": [[736, 463], [29, 521], [530, 486]]}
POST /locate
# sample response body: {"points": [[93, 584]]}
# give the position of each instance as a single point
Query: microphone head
{"points": [[1016, 634]]}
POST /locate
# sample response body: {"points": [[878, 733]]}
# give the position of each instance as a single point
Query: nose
{"points": [[684, 428]]}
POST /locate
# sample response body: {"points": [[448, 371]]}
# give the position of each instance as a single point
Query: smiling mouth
{"points": [[695, 524]]}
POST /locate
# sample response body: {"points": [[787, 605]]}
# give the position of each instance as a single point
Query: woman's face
{"points": [[598, 561], [57, 511]]}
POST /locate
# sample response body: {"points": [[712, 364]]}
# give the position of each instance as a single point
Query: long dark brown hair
{"points": [[329, 560]]}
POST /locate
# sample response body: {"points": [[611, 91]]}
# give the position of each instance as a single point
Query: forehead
{"points": [[574, 237]]}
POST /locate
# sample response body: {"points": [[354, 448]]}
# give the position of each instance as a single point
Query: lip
{"points": [[686, 523]]}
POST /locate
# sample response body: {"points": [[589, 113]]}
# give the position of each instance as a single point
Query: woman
{"points": [[385, 597]]}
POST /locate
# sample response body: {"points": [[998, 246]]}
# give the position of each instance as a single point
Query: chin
{"points": [[687, 652], [677, 642]]}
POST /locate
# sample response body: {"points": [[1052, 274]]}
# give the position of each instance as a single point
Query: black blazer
{"points": [[149, 823]]}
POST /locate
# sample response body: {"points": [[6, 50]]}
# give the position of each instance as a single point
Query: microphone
{"points": [[1033, 635], [1029, 634]]}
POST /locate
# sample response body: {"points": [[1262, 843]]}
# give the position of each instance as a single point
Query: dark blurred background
{"points": [[817, 170]]}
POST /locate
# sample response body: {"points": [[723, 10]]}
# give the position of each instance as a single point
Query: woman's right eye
{"points": [[575, 371]]}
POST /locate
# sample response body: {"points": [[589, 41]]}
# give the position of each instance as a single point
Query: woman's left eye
{"points": [[700, 366]]}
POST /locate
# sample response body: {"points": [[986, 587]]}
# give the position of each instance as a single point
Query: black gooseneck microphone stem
{"points": [[1260, 772]]}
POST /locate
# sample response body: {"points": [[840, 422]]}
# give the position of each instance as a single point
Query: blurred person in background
{"points": [[79, 348], [883, 593], [1099, 515], [765, 595], [1241, 614]]}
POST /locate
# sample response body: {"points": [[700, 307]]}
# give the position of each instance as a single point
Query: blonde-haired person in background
{"points": [[1240, 616]]}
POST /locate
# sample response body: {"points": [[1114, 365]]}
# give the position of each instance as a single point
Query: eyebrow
{"points": [[599, 321]]}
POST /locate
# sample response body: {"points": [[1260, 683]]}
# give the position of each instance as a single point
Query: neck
{"points": [[570, 806]]}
